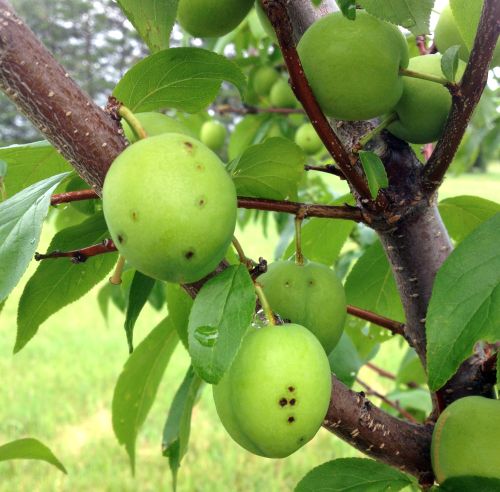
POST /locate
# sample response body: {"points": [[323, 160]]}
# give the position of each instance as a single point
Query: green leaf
{"points": [[178, 425], [269, 170], [226, 304], [465, 303], [353, 475], [59, 282], [371, 286], [249, 131], [414, 15], [472, 484], [467, 14], [462, 214], [137, 297], [29, 449], [138, 383], [347, 7], [411, 369], [21, 220], [182, 78], [179, 305], [375, 172], [153, 20], [30, 163], [449, 63], [3, 169], [345, 361], [410, 399]]}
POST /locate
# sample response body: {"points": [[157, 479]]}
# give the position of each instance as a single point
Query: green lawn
{"points": [[59, 389]]}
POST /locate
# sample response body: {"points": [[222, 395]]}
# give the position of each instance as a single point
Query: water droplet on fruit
{"points": [[206, 335]]}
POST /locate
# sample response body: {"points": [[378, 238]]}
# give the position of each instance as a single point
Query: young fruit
{"points": [[155, 124], [263, 80], [213, 135], [275, 396], [466, 439], [311, 295], [281, 95], [170, 207], [447, 34], [264, 20], [353, 66], [307, 138], [210, 18], [424, 106]]}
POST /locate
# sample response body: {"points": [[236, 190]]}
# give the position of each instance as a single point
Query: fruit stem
{"points": [[424, 76], [382, 126], [133, 122], [268, 312], [241, 254], [299, 257], [116, 279]]}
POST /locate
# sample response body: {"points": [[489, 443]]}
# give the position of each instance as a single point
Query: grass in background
{"points": [[59, 389]]}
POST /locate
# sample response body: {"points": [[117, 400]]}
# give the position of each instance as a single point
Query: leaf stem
{"points": [[299, 257], [265, 304], [133, 122], [116, 279], [241, 254], [372, 133], [424, 76]]}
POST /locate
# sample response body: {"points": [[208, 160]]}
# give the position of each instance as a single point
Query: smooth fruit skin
{"points": [[211, 18], [311, 295], [170, 207], [447, 34], [265, 22], [307, 138], [466, 439], [213, 135], [281, 95], [424, 106], [263, 80], [155, 124], [353, 66], [275, 396]]}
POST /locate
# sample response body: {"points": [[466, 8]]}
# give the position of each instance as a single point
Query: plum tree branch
{"points": [[80, 255], [278, 15], [73, 196], [395, 327], [466, 99]]}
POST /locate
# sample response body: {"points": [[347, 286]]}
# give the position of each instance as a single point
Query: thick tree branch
{"points": [[42, 90], [304, 209], [277, 12], [465, 101], [80, 255]]}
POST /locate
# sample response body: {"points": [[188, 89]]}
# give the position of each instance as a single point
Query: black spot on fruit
{"points": [[200, 167], [302, 439], [291, 420], [283, 402], [202, 201], [291, 389], [189, 254], [311, 282], [189, 147], [121, 239], [134, 215], [293, 401]]}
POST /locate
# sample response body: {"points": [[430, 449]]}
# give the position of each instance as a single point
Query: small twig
{"points": [[265, 304], [388, 375], [116, 278], [73, 196], [227, 108], [425, 76], [278, 15], [80, 255], [299, 257], [471, 88], [259, 269], [371, 392], [133, 122], [309, 210], [395, 327], [421, 43], [329, 168], [249, 263]]}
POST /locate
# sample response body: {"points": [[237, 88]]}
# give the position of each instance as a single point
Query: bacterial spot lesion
{"points": [[121, 238], [134, 215], [189, 254], [291, 419]]}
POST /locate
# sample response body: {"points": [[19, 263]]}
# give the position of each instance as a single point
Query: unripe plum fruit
{"points": [[155, 124], [265, 22], [311, 295], [281, 95], [275, 395], [211, 18], [307, 138], [213, 135], [424, 106], [353, 66], [466, 439], [263, 80], [170, 207]]}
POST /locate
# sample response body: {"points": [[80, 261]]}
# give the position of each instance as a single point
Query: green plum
{"points": [[155, 124], [263, 80], [170, 207], [211, 18], [213, 135], [307, 138], [281, 95], [447, 34], [353, 66], [424, 106], [311, 295], [275, 395], [466, 439], [264, 20]]}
